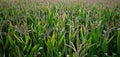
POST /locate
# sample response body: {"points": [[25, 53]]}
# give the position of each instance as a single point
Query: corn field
{"points": [[68, 28]]}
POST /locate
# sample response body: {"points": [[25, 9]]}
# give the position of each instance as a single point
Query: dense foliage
{"points": [[30, 29]]}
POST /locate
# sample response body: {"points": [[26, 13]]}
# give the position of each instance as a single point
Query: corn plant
{"points": [[59, 29]]}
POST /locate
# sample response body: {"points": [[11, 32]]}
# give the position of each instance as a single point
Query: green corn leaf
{"points": [[53, 39], [29, 47], [74, 54], [34, 49], [6, 44], [26, 42], [110, 39], [81, 33], [61, 39], [11, 41], [20, 40], [27, 39], [89, 41], [118, 42]]}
